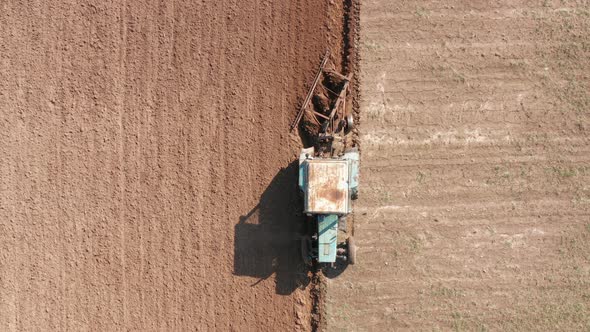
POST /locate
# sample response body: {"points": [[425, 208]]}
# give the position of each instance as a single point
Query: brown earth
{"points": [[474, 210], [146, 180]]}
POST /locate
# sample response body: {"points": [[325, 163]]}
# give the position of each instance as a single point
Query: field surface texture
{"points": [[145, 178], [474, 210]]}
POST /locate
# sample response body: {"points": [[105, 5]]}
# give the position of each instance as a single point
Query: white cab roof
{"points": [[327, 186]]}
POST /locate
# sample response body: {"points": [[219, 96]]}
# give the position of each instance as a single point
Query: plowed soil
{"points": [[145, 178], [474, 209]]}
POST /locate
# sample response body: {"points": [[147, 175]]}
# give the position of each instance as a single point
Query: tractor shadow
{"points": [[267, 238]]}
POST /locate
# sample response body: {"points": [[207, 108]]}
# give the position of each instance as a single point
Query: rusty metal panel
{"points": [[327, 186]]}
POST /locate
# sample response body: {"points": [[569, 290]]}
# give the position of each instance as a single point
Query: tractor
{"points": [[328, 170]]}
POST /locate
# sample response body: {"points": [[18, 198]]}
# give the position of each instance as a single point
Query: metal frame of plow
{"points": [[295, 123]]}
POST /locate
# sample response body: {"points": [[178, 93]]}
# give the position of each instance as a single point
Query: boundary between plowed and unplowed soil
{"points": [[348, 51]]}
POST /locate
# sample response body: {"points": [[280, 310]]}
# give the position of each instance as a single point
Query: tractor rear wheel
{"points": [[351, 250], [306, 249]]}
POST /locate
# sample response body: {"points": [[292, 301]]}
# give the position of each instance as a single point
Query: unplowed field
{"points": [[474, 210], [144, 175]]}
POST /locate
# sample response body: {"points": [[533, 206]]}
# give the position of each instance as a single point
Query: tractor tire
{"points": [[351, 250], [306, 249], [349, 124]]}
